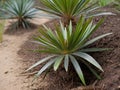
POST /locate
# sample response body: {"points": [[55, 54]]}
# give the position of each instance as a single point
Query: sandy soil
{"points": [[10, 67]]}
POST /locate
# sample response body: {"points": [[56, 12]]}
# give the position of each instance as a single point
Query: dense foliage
{"points": [[70, 9]]}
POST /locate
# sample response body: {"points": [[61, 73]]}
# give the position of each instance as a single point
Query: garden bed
{"points": [[110, 61]]}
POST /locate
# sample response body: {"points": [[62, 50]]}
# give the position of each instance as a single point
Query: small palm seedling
{"points": [[1, 31], [70, 9], [20, 10], [65, 44]]}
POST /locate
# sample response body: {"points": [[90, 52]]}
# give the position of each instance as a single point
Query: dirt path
{"points": [[10, 67]]}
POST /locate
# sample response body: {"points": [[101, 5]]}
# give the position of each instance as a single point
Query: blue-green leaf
{"points": [[40, 62], [58, 61], [78, 69], [66, 62], [88, 58]]}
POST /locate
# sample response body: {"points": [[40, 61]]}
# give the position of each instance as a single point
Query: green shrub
{"points": [[20, 10], [70, 9], [65, 44]]}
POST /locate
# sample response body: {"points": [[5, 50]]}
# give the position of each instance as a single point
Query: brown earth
{"points": [[110, 61], [15, 57]]}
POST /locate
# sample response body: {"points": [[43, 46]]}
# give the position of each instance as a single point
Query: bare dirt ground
{"points": [[10, 67]]}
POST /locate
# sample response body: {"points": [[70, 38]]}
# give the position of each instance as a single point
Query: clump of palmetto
{"points": [[65, 44], [20, 10], [69, 10]]}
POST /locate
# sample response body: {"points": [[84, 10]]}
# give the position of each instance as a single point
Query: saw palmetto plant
{"points": [[70, 9], [20, 10], [65, 45]]}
